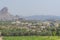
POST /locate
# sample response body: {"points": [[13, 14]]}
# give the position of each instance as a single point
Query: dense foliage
{"points": [[8, 29]]}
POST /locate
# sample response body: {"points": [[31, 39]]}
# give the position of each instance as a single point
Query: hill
{"points": [[43, 17], [6, 16]]}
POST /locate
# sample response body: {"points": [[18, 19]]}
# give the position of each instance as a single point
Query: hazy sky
{"points": [[32, 7]]}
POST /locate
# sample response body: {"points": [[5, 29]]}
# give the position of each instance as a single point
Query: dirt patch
{"points": [[0, 38]]}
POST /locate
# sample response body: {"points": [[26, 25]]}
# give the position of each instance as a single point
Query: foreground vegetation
{"points": [[28, 28], [31, 38], [29, 31]]}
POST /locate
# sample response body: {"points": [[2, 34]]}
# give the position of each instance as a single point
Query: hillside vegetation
{"points": [[28, 28]]}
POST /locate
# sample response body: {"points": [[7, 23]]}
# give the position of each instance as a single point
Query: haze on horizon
{"points": [[32, 7]]}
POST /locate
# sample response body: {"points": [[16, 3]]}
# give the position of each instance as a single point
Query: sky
{"points": [[32, 7]]}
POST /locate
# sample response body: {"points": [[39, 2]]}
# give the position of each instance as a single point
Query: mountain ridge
{"points": [[42, 17]]}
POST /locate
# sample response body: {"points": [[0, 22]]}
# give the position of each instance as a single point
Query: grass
{"points": [[31, 38]]}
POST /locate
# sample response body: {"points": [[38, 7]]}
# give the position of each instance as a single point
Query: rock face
{"points": [[5, 15]]}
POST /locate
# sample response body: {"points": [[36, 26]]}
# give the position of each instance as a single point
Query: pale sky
{"points": [[32, 7]]}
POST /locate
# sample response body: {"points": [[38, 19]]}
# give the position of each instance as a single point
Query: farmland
{"points": [[31, 38]]}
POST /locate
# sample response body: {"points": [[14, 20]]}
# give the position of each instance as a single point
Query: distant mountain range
{"points": [[43, 17], [6, 16]]}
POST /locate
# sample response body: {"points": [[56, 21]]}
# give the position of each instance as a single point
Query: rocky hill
{"points": [[6, 16]]}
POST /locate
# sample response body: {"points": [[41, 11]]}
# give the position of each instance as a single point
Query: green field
{"points": [[32, 38]]}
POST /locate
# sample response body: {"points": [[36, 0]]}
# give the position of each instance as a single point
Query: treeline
{"points": [[17, 30], [25, 32]]}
